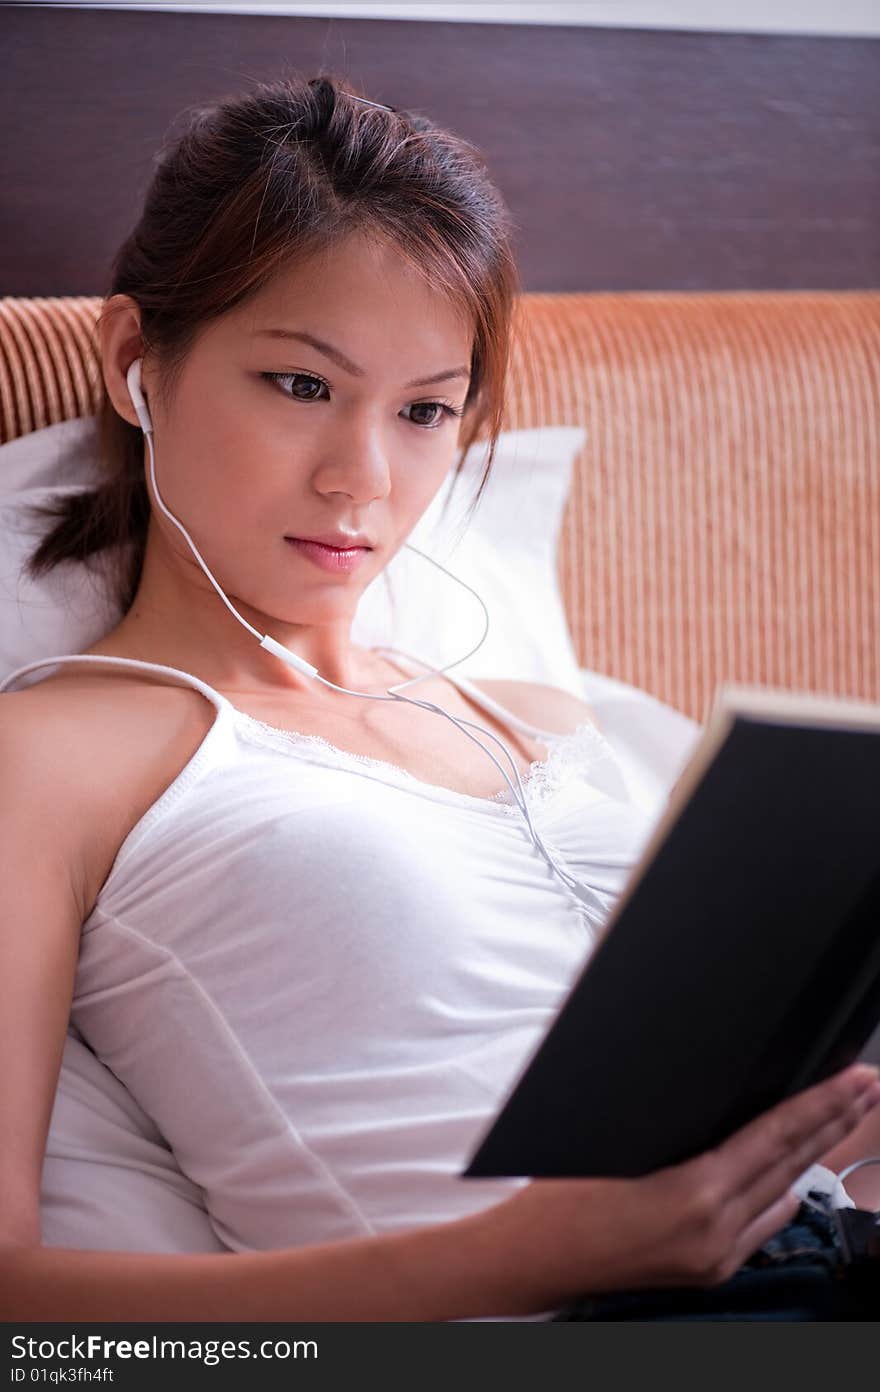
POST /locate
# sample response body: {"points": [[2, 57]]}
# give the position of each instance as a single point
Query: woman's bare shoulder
{"points": [[84, 698], [549, 707], [43, 717], [103, 751], [105, 732], [68, 709], [52, 776]]}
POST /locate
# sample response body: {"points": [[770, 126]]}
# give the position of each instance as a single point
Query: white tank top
{"points": [[319, 975]]}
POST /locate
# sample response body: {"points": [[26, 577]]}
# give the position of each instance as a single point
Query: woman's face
{"points": [[337, 438]]}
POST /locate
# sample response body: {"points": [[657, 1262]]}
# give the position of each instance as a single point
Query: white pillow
{"points": [[68, 609], [507, 553]]}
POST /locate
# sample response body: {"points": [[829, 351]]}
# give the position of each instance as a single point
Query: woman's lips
{"points": [[329, 558]]}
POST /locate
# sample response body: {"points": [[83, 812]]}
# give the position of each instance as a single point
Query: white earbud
{"points": [[133, 378]]}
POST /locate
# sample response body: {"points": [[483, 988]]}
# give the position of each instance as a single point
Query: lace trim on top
{"points": [[569, 755]]}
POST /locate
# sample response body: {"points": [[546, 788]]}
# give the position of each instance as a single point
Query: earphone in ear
{"points": [[133, 380]]}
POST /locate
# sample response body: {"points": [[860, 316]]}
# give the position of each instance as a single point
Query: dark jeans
{"points": [[799, 1274]]}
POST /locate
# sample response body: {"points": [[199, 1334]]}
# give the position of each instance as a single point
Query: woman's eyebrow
{"points": [[348, 366]]}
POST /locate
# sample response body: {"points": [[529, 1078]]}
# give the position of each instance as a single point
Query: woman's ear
{"points": [[119, 333]]}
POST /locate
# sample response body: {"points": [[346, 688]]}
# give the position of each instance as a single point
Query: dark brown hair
{"points": [[260, 180]]}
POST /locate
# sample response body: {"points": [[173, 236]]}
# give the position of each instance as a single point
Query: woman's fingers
{"points": [[793, 1134], [803, 1150], [752, 1238], [740, 1193]]}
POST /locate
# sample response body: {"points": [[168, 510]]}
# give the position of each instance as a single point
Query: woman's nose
{"points": [[357, 461]]}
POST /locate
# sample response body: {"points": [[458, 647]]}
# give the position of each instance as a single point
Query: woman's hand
{"points": [[692, 1224]]}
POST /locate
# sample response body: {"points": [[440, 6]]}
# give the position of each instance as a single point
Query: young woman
{"points": [[307, 931]]}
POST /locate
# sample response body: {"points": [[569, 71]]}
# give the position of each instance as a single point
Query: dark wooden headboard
{"points": [[631, 159]]}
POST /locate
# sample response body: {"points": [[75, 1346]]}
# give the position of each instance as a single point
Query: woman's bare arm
{"points": [[40, 922], [693, 1224], [454, 1270]]}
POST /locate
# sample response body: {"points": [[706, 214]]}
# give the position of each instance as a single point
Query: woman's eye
{"points": [[295, 378], [442, 411], [437, 406]]}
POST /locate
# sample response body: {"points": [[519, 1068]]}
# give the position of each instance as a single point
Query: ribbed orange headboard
{"points": [[724, 521]]}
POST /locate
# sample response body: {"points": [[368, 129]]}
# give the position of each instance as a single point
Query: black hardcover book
{"points": [[740, 964]]}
